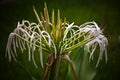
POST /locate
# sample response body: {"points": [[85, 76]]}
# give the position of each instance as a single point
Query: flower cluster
{"points": [[59, 38]]}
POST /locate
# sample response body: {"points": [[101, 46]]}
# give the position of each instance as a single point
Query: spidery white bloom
{"points": [[31, 36], [99, 39], [54, 38]]}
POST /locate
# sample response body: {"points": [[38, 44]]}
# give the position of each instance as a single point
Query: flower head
{"points": [[52, 38]]}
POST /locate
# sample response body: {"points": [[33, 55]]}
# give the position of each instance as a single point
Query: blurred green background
{"points": [[105, 12]]}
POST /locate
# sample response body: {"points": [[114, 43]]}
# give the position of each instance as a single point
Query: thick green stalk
{"points": [[67, 58], [48, 66], [55, 69]]}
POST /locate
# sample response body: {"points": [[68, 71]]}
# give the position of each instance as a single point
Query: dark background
{"points": [[105, 12]]}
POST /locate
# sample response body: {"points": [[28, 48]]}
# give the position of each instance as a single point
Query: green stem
{"points": [[55, 69], [67, 58], [73, 71], [48, 66], [53, 66]]}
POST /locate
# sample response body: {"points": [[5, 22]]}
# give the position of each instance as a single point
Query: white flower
{"points": [[99, 39], [33, 36]]}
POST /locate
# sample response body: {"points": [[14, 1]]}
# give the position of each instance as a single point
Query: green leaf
{"points": [[84, 69]]}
